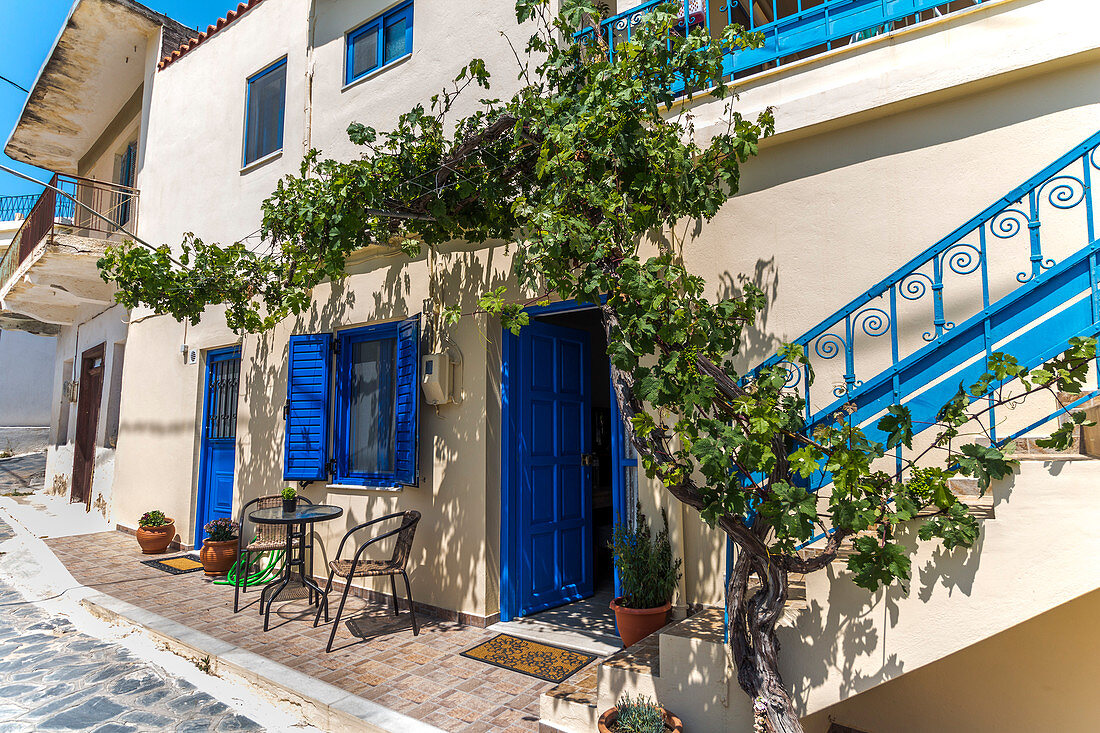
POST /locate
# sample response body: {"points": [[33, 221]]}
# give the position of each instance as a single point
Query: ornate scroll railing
{"points": [[1021, 277], [791, 29], [14, 208], [54, 213]]}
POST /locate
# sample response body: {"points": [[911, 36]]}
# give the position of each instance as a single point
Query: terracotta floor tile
{"points": [[377, 655]]}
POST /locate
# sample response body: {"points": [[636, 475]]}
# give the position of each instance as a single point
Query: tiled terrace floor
{"points": [[423, 676]]}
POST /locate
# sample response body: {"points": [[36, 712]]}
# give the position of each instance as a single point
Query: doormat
{"points": [[175, 565], [550, 663]]}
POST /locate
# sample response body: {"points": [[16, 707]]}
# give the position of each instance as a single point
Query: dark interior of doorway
{"points": [[593, 614]]}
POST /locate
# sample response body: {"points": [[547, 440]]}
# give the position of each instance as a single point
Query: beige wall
{"points": [[851, 188], [1038, 676]]}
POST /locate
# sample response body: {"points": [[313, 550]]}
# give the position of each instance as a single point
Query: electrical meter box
{"points": [[435, 379]]}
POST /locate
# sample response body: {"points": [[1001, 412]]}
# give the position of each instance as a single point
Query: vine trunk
{"points": [[752, 619]]}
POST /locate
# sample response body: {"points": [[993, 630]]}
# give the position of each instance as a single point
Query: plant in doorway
{"points": [[648, 574], [155, 532], [290, 499], [639, 715], [219, 549]]}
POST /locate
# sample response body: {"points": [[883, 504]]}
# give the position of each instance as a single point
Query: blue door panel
{"points": [[555, 498], [217, 452]]}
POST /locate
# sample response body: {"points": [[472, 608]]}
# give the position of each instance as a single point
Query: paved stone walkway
{"points": [[24, 473], [53, 677]]}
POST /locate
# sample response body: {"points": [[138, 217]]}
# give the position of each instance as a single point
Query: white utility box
{"points": [[435, 378]]}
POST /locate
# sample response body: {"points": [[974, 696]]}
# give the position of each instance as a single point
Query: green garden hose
{"points": [[263, 575]]}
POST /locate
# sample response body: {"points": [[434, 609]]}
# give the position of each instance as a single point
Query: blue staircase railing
{"points": [[790, 30], [1021, 277]]}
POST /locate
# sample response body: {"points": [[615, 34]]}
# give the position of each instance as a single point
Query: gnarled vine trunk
{"points": [[752, 621], [752, 618]]}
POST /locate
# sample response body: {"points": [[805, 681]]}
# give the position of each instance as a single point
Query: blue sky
{"points": [[26, 37]]}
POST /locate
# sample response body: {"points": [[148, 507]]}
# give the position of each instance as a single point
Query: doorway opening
{"points": [[87, 422], [217, 451], [565, 483]]}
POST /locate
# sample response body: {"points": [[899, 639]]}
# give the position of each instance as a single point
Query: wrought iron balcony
{"points": [[792, 29], [15, 208], [49, 275], [54, 214]]}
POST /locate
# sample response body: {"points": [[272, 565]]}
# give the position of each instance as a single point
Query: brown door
{"points": [[87, 419]]}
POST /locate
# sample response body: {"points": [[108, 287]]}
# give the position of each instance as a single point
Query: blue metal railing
{"points": [[16, 208], [791, 29], [1035, 260]]}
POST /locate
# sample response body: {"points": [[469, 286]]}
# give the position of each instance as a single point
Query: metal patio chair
{"points": [[267, 538], [360, 568]]}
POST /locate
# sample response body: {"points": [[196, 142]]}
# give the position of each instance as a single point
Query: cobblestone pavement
{"points": [[52, 677], [24, 473]]}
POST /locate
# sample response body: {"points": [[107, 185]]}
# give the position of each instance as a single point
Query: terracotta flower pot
{"points": [[218, 556], [607, 722], [636, 624], [155, 540]]}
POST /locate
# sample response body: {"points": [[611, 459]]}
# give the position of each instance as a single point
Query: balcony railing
{"points": [[791, 29], [54, 213], [14, 208]]}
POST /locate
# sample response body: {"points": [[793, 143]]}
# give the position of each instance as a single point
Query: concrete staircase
{"points": [[686, 665]]}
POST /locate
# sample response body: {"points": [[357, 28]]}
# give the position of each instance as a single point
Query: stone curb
{"points": [[323, 705]]}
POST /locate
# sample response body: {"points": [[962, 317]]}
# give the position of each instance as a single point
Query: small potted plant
{"points": [[219, 549], [290, 499], [639, 715], [155, 532], [648, 575]]}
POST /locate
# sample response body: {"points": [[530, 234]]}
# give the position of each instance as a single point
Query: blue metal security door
{"points": [[219, 435], [555, 480]]}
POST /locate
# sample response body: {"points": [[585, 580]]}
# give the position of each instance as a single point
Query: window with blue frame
{"points": [[266, 103], [379, 41], [368, 404], [367, 379]]}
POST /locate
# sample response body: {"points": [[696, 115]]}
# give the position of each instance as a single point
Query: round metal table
{"points": [[297, 523]]}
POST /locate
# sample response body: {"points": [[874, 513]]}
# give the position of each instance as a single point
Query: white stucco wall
{"points": [[26, 363], [109, 329]]}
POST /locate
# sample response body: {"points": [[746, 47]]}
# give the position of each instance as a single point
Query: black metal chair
{"points": [[360, 568], [267, 538]]}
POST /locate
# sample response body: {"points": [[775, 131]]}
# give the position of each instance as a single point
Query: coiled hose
{"points": [[258, 577]]}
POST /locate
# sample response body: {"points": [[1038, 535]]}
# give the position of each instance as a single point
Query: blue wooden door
{"points": [[219, 437], [555, 491]]}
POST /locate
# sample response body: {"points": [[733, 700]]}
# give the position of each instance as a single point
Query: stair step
{"points": [[1028, 448], [573, 704]]}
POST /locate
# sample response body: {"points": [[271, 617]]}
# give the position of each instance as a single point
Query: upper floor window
{"points": [[264, 115], [379, 41], [125, 175]]}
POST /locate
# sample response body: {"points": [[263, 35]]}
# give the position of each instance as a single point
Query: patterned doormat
{"points": [[550, 663], [175, 565]]}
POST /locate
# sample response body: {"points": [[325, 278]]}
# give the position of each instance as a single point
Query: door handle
{"points": [[590, 459]]}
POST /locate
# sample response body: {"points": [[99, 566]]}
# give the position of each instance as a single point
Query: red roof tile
{"points": [[210, 30]]}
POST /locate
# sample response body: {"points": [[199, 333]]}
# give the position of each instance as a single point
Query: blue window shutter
{"points": [[307, 408], [408, 401]]}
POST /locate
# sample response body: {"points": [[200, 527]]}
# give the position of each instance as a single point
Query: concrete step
{"points": [[572, 705], [578, 640]]}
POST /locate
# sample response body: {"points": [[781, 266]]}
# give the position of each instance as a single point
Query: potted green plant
{"points": [[639, 715], [219, 549], [155, 532], [290, 499], [648, 575]]}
